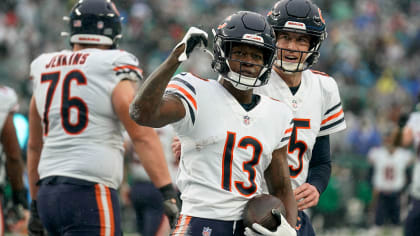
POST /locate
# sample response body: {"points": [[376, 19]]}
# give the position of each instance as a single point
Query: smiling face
{"points": [[247, 60], [293, 47]]}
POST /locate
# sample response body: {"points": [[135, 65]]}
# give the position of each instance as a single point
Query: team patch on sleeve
{"points": [[186, 91], [333, 118], [128, 71]]}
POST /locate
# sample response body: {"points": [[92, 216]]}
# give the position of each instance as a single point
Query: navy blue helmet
{"points": [[95, 22], [244, 27], [299, 16]]}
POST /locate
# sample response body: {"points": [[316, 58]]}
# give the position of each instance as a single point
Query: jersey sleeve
{"points": [[9, 103], [33, 71], [126, 66], [332, 115], [184, 88]]}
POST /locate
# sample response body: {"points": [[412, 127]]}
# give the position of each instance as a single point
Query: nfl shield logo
{"points": [[206, 231], [247, 120]]}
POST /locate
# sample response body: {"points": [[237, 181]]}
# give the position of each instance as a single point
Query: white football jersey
{"points": [[225, 149], [9, 103], [82, 133], [413, 123], [317, 111], [389, 168]]}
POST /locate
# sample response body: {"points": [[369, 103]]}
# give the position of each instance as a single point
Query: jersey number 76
{"points": [[67, 102]]}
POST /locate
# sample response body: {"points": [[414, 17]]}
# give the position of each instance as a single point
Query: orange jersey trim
{"points": [[185, 92], [332, 117], [129, 67]]}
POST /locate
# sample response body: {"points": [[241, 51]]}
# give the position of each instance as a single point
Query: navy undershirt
{"points": [[320, 164], [255, 99], [294, 89]]}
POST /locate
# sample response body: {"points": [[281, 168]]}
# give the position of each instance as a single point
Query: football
{"points": [[258, 210]]}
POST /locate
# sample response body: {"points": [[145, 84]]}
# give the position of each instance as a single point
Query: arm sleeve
{"points": [[333, 116], [183, 87], [126, 66], [320, 164]]}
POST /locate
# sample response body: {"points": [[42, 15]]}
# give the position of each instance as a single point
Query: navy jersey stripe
{"points": [[185, 83], [285, 138], [189, 106], [332, 108], [332, 124], [127, 72]]}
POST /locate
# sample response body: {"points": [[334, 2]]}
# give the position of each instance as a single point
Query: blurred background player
{"points": [[411, 137], [230, 142], [312, 96], [140, 193], [390, 163], [75, 147], [10, 149]]}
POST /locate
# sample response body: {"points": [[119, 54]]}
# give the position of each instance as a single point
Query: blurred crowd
{"points": [[372, 51]]}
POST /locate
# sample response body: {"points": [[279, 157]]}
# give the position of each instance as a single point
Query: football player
{"points": [[389, 178], [9, 146], [411, 136], [75, 149], [231, 138], [313, 97]]}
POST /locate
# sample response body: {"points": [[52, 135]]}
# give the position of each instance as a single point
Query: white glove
{"points": [[193, 38], [284, 229]]}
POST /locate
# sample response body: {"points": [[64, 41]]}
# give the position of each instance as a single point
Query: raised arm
{"points": [[151, 107]]}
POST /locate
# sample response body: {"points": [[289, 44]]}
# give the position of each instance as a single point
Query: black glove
{"points": [[171, 203], [35, 227], [20, 198]]}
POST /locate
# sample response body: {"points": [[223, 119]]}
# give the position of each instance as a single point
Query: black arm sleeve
{"points": [[320, 164]]}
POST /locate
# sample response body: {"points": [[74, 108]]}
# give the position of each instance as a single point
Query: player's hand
{"points": [[171, 204], [284, 229], [35, 227], [193, 38], [306, 196], [176, 148]]}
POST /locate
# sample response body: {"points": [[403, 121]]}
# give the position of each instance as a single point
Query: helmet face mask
{"points": [[95, 22], [248, 30], [301, 17]]}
